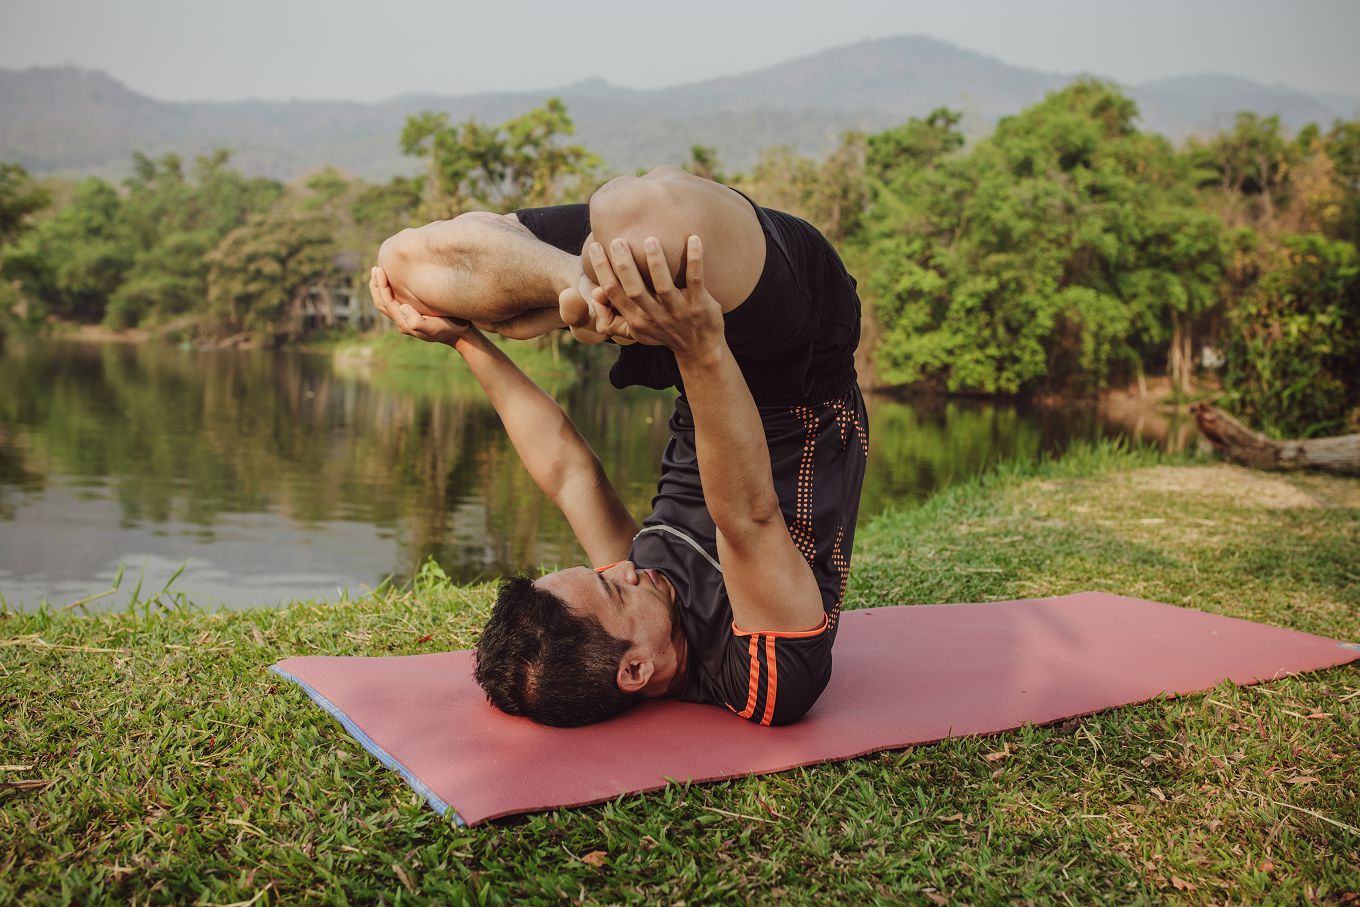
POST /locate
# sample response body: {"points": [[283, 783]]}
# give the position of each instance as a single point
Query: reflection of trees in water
{"points": [[916, 447], [15, 474], [190, 436]]}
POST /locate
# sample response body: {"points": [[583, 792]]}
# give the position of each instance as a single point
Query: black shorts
{"points": [[817, 457]]}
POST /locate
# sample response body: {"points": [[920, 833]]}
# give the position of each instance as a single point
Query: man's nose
{"points": [[625, 570]]}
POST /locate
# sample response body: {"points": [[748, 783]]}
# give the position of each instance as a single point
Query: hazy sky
{"points": [[231, 49]]}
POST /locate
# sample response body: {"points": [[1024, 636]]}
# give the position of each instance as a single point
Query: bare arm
{"points": [[481, 267], [558, 459], [770, 585]]}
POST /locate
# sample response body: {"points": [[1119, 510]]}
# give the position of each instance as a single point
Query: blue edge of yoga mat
{"points": [[376, 751]]}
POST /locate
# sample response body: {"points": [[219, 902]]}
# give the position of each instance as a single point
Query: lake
{"points": [[271, 476]]}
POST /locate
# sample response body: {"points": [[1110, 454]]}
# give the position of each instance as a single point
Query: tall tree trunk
{"points": [[1180, 359], [1340, 454]]}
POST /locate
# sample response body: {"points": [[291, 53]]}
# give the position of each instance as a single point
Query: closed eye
{"points": [[610, 589]]}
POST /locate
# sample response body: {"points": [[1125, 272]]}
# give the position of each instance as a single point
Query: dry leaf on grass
{"points": [[1182, 885], [596, 858], [405, 879]]}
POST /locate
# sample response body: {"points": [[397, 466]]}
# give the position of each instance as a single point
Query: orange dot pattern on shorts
{"points": [[847, 420], [801, 530], [842, 565]]}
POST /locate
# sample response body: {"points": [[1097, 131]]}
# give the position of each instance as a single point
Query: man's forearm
{"points": [[558, 459], [547, 442], [480, 267], [729, 440]]}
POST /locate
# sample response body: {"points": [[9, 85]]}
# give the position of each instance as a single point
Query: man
{"points": [[731, 591]]}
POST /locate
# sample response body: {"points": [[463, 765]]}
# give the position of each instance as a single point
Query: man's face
{"points": [[632, 604]]}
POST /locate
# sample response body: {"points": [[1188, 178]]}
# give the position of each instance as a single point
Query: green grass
{"points": [[165, 764]]}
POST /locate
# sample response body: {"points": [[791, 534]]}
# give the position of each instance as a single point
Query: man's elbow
{"points": [[748, 519]]}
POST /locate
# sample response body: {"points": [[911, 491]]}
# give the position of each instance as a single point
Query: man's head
{"points": [[580, 645]]}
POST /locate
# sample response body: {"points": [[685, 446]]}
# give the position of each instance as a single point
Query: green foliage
{"points": [[388, 208], [703, 161], [69, 264], [1055, 254], [20, 197], [260, 274], [520, 163], [830, 194], [178, 221], [1293, 343], [1342, 145], [1065, 252], [122, 258]]}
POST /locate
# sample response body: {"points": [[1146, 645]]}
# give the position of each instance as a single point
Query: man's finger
{"points": [[605, 278], [621, 256], [615, 296], [694, 264], [631, 309], [658, 267], [382, 295], [410, 318]]}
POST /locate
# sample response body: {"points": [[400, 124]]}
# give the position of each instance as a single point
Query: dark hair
{"points": [[537, 659]]}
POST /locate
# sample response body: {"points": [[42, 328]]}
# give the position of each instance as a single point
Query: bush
{"points": [[1293, 342]]}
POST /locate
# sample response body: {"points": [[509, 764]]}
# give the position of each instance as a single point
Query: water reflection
{"points": [[273, 476]]}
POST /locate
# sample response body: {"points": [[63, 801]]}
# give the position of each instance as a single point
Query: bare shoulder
{"points": [[672, 204]]}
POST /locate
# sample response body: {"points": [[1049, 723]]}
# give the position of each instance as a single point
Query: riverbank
{"points": [[392, 359], [152, 756], [1150, 406]]}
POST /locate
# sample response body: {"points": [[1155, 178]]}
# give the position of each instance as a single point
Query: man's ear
{"points": [[634, 672]]}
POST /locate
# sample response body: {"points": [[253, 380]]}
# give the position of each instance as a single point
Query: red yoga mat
{"points": [[903, 676]]}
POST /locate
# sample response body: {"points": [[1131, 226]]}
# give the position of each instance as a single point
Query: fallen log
{"points": [[1340, 454]]}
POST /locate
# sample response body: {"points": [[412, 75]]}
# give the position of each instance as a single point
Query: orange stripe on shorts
{"points": [[770, 685], [755, 679]]}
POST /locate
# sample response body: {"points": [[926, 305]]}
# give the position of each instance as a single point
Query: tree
{"points": [[20, 197], [518, 164], [1292, 348], [261, 274], [829, 194], [1054, 254], [70, 263], [1289, 303], [175, 219], [703, 162]]}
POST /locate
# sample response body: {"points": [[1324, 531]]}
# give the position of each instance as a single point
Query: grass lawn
{"points": [[150, 757]]}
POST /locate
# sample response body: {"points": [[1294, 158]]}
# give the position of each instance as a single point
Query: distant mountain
{"points": [[70, 120], [1206, 103]]}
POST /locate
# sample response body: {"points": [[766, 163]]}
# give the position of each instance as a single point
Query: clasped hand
{"points": [[409, 321], [622, 306]]}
